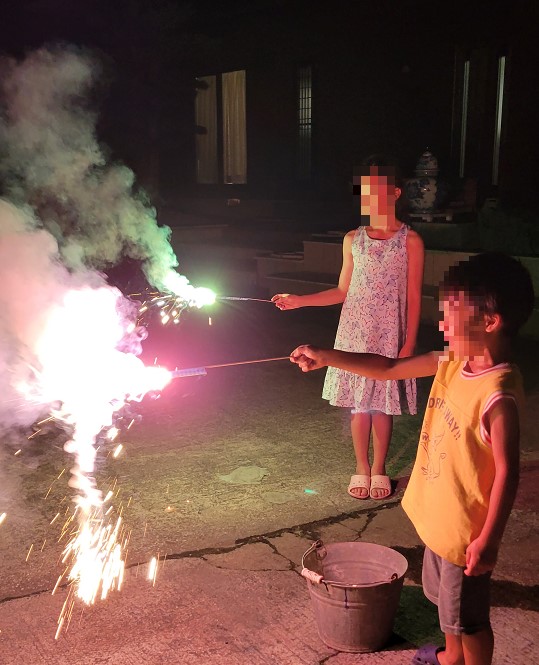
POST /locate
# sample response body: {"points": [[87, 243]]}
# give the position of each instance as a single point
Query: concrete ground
{"points": [[228, 479]]}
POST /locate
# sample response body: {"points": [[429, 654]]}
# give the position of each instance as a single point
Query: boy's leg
{"points": [[479, 647], [463, 607], [360, 427], [475, 649], [382, 429], [453, 653]]}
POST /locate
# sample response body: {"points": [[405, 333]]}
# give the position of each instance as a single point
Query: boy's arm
{"points": [[367, 364], [482, 553], [416, 260]]}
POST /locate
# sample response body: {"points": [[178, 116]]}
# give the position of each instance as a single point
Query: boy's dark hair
{"points": [[497, 283]]}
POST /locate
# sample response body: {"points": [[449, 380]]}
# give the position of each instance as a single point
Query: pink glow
{"points": [[81, 369]]}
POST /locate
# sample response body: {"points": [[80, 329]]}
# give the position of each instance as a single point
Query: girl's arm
{"points": [[416, 261], [329, 296], [482, 553], [369, 365]]}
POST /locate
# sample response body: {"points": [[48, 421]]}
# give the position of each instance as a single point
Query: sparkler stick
{"points": [[237, 298], [156, 295], [201, 371]]}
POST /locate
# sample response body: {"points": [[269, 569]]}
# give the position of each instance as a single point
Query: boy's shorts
{"points": [[463, 601]]}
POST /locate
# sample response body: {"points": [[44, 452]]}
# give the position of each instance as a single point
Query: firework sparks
{"points": [[97, 558], [179, 296], [94, 556], [94, 561], [152, 571], [73, 352], [194, 296], [83, 372]]}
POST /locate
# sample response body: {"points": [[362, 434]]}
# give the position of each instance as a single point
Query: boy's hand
{"points": [[480, 558], [406, 351], [307, 357], [286, 301]]}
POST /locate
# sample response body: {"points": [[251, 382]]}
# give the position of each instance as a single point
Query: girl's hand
{"points": [[286, 301], [307, 357], [480, 558]]}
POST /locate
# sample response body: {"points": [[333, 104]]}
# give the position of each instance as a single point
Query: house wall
{"points": [[382, 82], [384, 77]]}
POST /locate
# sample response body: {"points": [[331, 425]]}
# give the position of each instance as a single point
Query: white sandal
{"points": [[359, 482], [380, 483]]}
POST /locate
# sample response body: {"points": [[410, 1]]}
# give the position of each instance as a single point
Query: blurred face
{"points": [[463, 326], [378, 195]]}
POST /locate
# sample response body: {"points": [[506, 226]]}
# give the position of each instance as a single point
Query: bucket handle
{"points": [[316, 578], [317, 545]]}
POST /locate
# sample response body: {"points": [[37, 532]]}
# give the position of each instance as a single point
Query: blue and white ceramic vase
{"points": [[425, 192]]}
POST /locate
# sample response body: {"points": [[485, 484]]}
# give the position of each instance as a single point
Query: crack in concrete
{"points": [[291, 565], [311, 531], [306, 530]]}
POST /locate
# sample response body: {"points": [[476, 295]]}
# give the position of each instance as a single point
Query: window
{"points": [[304, 137], [220, 115]]}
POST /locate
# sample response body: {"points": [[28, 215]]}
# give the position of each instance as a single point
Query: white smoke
{"points": [[69, 214], [68, 341], [33, 282], [51, 160]]}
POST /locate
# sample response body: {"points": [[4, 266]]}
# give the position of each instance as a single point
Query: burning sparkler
{"points": [[82, 373], [96, 553], [183, 296]]}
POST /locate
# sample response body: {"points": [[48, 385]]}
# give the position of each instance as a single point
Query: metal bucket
{"points": [[355, 591]]}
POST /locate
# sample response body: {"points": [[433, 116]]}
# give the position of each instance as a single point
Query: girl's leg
{"points": [[382, 429], [360, 426]]}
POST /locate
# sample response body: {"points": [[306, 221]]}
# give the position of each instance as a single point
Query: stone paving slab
{"points": [[242, 607]]}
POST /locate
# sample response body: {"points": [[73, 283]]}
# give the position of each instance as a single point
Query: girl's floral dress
{"points": [[373, 320]]}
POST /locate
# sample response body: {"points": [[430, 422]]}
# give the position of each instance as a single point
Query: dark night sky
{"points": [[109, 24]]}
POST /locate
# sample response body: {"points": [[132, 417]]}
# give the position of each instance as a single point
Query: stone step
{"points": [[300, 282]]}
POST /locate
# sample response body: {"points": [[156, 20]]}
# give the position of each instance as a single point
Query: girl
{"points": [[380, 286]]}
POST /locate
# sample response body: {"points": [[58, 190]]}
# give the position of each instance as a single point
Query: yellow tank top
{"points": [[448, 493]]}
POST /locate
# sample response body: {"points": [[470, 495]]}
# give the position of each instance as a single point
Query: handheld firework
{"points": [[171, 305], [202, 371]]}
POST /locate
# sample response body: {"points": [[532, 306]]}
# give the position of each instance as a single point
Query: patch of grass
{"points": [[417, 618]]}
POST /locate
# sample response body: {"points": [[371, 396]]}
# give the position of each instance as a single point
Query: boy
{"points": [[465, 476]]}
